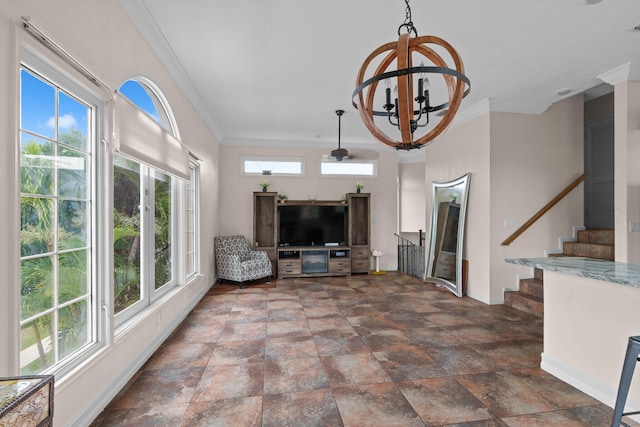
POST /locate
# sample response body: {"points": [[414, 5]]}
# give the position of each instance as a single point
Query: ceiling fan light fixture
{"points": [[339, 153]]}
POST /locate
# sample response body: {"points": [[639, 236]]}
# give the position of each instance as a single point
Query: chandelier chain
{"points": [[408, 23]]}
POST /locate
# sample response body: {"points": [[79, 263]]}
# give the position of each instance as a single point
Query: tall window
{"points": [[145, 201], [57, 290], [192, 243], [143, 233]]}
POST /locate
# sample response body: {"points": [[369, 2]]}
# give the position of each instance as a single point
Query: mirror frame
{"points": [[462, 182]]}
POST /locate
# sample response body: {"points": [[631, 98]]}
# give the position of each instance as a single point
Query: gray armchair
{"points": [[236, 261]]}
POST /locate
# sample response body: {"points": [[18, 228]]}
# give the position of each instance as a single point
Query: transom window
{"points": [[359, 168], [271, 166]]}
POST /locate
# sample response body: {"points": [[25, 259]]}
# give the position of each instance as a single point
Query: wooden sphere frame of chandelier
{"points": [[401, 51]]}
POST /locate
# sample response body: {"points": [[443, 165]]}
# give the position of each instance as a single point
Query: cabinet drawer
{"points": [[340, 267], [360, 252], [360, 265], [289, 267], [339, 264]]}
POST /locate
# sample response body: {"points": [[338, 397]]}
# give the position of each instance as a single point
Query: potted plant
{"points": [[282, 198], [359, 186], [265, 185]]}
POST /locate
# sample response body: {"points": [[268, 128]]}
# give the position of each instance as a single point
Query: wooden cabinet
{"points": [[313, 261], [359, 231], [446, 241], [265, 223], [289, 261]]}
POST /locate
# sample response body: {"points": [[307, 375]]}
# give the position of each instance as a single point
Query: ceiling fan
{"points": [[343, 155], [339, 153]]}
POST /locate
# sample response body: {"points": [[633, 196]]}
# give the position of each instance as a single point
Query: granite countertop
{"points": [[608, 271]]}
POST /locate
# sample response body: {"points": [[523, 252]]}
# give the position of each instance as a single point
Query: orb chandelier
{"points": [[412, 108]]}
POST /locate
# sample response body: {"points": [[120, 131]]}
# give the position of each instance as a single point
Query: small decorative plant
{"points": [[359, 186], [282, 197], [265, 185]]}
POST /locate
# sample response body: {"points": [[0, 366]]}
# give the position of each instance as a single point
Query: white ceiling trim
{"points": [[147, 26]]}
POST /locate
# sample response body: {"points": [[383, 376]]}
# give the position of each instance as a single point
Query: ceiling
{"points": [[273, 72]]}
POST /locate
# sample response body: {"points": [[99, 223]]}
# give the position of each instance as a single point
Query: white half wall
{"points": [[587, 324]]}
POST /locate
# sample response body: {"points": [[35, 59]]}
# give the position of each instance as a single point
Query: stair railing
{"points": [[411, 257], [544, 210]]}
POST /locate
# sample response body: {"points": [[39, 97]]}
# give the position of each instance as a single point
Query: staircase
{"points": [[590, 243]]}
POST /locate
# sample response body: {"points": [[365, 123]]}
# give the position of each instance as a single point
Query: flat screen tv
{"points": [[312, 225]]}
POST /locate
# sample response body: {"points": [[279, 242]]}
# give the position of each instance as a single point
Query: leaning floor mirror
{"points": [[448, 210]]}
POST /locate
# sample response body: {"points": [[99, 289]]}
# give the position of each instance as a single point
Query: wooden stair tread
{"points": [[532, 287], [523, 302], [591, 243]]}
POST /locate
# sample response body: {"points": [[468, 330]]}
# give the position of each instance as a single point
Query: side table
{"points": [[26, 401]]}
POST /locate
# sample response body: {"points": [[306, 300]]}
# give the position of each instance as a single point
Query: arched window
{"points": [[150, 167], [148, 98]]}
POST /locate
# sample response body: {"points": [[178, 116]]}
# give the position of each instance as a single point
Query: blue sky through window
{"points": [[137, 94], [38, 109]]}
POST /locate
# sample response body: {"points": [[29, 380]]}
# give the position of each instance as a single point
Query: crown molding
{"points": [[139, 13], [617, 75]]}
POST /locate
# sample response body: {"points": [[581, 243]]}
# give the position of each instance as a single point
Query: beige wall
{"points": [[533, 158], [518, 163], [627, 172], [236, 192], [413, 195], [100, 36], [461, 150]]}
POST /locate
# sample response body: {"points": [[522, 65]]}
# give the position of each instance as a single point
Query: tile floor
{"points": [[367, 350]]}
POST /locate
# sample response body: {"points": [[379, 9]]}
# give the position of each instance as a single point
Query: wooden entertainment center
{"points": [[311, 260]]}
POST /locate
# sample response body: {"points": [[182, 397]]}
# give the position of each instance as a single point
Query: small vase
{"points": [[264, 189], [357, 190]]}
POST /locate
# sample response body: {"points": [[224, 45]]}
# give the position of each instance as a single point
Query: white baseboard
{"points": [[111, 390], [583, 382]]}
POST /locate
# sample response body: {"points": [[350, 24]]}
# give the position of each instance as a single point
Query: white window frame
{"points": [[192, 219], [267, 165], [345, 164], [148, 293], [50, 69]]}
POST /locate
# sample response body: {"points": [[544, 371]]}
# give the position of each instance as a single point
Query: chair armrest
{"points": [[257, 255], [229, 258]]}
